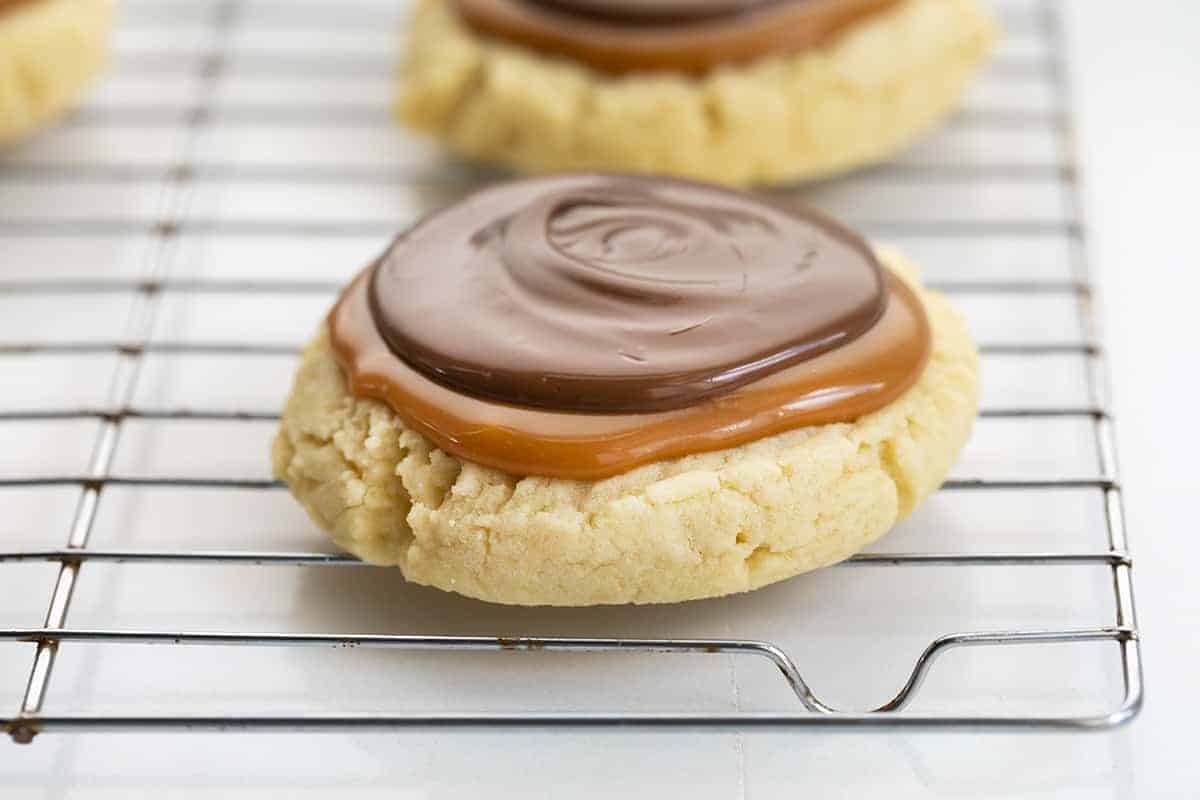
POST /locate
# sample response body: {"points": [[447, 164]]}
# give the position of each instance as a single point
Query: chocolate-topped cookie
{"points": [[601, 388]]}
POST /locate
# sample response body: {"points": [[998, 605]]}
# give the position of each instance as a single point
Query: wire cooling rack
{"points": [[262, 128]]}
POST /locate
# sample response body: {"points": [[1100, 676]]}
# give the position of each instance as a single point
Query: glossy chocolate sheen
{"points": [[691, 36], [607, 294]]}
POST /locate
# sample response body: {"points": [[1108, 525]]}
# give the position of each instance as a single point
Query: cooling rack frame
{"points": [[129, 351]]}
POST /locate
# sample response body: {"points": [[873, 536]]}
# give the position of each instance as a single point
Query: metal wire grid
{"points": [[129, 353]]}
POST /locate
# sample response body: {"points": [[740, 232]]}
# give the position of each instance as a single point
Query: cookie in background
{"points": [[732, 91], [49, 51]]}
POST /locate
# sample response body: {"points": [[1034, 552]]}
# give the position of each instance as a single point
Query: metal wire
{"points": [[130, 349]]}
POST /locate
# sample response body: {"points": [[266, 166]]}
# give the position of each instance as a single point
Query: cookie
{"points": [[854, 98], [702, 525], [49, 51]]}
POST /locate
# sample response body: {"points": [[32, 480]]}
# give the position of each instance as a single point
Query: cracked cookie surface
{"points": [[700, 526], [863, 96], [49, 51]]}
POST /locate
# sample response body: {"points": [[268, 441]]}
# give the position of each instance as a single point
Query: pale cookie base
{"points": [[859, 99], [49, 51], [699, 526]]}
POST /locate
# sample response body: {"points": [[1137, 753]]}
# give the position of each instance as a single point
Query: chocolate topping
{"points": [[686, 35], [582, 325], [606, 294]]}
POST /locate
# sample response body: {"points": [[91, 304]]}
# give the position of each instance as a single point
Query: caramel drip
{"points": [[838, 386]]}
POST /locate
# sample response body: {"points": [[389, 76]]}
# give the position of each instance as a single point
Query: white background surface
{"points": [[1136, 75]]}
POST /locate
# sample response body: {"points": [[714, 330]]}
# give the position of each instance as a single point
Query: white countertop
{"points": [[1134, 73], [1136, 77]]}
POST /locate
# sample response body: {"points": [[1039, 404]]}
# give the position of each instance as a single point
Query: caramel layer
{"points": [[685, 35], [837, 386]]}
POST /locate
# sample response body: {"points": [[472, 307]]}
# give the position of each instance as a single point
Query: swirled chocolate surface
{"points": [[596, 293], [685, 35]]}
